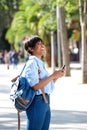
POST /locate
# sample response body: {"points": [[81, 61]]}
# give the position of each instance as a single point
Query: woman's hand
{"points": [[58, 74]]}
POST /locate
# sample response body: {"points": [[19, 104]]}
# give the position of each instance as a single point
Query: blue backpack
{"points": [[21, 93]]}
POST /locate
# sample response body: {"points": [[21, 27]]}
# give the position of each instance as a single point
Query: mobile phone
{"points": [[63, 67]]}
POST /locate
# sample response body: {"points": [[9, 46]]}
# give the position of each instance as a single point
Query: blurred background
{"points": [[61, 24]]}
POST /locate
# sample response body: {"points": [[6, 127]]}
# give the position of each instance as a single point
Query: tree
{"points": [[64, 41], [68, 13], [83, 12]]}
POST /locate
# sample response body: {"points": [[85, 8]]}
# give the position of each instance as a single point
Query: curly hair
{"points": [[31, 42]]}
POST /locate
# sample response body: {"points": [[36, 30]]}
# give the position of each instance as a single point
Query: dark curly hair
{"points": [[31, 42]]}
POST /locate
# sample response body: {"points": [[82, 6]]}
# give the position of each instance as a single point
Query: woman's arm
{"points": [[54, 77]]}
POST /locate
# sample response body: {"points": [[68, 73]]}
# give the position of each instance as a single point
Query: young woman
{"points": [[39, 114]]}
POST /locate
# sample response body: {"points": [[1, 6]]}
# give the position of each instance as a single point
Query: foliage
{"points": [[7, 10], [34, 17], [39, 17]]}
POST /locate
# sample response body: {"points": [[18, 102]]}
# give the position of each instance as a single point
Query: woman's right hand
{"points": [[58, 74]]}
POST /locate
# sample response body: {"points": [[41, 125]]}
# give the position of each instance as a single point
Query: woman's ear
{"points": [[30, 49]]}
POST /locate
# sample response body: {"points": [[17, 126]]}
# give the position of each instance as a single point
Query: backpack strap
{"points": [[42, 90], [18, 113], [14, 79], [44, 96], [23, 69]]}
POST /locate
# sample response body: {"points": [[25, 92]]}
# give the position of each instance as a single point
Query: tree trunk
{"points": [[64, 42], [48, 55], [84, 53], [82, 12]]}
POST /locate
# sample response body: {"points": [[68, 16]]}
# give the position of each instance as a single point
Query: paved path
{"points": [[68, 102]]}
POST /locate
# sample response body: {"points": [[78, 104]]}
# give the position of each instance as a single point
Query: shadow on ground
{"points": [[68, 120], [61, 120]]}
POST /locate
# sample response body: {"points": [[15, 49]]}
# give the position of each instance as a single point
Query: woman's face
{"points": [[39, 50]]}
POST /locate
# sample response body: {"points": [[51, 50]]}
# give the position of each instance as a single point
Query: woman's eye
{"points": [[40, 43]]}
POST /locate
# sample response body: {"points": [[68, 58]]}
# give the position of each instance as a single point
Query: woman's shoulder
{"points": [[35, 60], [30, 61]]}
